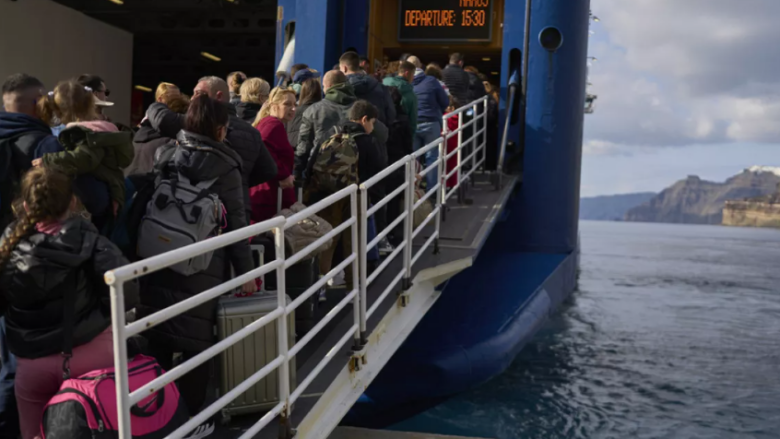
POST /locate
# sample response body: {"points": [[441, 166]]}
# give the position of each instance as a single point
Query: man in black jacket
{"points": [[456, 79], [368, 88], [258, 165], [23, 136]]}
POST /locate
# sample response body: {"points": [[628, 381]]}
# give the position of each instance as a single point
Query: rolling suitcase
{"points": [[251, 354]]}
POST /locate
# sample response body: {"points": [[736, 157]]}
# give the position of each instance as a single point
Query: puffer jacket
{"points": [[22, 139], [42, 271], [247, 111], [318, 123], [145, 142], [294, 126], [257, 164], [408, 98], [371, 90], [192, 331], [457, 81], [96, 148], [432, 100]]}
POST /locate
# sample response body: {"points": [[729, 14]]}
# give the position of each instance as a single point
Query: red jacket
{"points": [[264, 197]]}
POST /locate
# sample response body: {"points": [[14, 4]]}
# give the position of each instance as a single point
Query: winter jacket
{"points": [[318, 123], [46, 268], [257, 164], [96, 148], [193, 331], [457, 81], [294, 126], [476, 88], [370, 160], [145, 143], [408, 98], [247, 111], [401, 141], [432, 100], [371, 90], [24, 138], [264, 197]]}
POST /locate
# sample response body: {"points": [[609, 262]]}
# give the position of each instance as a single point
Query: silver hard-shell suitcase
{"points": [[243, 359]]}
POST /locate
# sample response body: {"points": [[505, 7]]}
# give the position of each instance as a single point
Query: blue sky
{"points": [[685, 88]]}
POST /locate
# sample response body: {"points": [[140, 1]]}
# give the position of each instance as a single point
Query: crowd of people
{"points": [[74, 187]]}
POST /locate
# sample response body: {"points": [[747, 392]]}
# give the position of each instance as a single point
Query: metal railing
{"points": [[470, 145], [357, 223]]}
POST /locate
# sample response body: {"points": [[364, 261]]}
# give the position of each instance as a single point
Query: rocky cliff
{"points": [[696, 201], [754, 212], [611, 207]]}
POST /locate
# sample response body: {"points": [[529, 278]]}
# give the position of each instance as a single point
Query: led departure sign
{"points": [[445, 20]]}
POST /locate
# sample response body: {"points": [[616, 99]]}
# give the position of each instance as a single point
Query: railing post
{"points": [[281, 325], [363, 264], [484, 132], [120, 355], [475, 144], [411, 178], [358, 231], [439, 197], [458, 155]]}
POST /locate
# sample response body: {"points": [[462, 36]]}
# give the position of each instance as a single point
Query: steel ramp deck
{"points": [[462, 235]]}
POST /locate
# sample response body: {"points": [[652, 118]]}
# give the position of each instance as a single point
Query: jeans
{"points": [[9, 415], [426, 133]]}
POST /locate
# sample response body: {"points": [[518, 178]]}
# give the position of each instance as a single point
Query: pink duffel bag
{"points": [[85, 407]]}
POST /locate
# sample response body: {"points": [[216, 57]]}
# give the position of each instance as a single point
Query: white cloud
{"points": [[676, 73]]}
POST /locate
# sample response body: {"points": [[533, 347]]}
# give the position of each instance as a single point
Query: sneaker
{"points": [[205, 429], [385, 248], [338, 281]]}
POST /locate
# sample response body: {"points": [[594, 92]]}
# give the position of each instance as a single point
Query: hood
{"points": [[362, 84], [423, 78], [146, 133], [350, 127], [98, 126], [49, 259], [200, 158], [16, 124], [342, 94], [400, 83], [248, 110]]}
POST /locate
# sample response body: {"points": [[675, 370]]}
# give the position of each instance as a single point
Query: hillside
{"points": [[611, 207], [696, 201]]}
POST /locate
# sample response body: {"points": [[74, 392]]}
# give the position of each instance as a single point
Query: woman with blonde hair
{"points": [[91, 147], [165, 90], [254, 93], [278, 110]]}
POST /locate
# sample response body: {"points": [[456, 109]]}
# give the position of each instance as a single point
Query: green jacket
{"points": [[408, 98], [101, 154]]}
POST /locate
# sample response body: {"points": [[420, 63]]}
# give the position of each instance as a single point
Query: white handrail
{"points": [[357, 223]]}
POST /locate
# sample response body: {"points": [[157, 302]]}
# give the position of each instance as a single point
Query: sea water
{"points": [[673, 333]]}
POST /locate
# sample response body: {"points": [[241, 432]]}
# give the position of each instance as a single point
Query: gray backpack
{"points": [[180, 214]]}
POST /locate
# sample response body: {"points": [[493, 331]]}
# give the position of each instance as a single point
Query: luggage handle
{"points": [[159, 398], [279, 192]]}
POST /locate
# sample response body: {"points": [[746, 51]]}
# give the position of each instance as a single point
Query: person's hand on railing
{"points": [[288, 182]]}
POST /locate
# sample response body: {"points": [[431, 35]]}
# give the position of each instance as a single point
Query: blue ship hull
{"points": [[484, 317]]}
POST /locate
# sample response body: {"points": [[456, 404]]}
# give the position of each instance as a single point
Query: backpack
{"points": [[336, 163], [180, 214], [85, 407]]}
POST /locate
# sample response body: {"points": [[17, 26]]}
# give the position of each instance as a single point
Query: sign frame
{"points": [[489, 17]]}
